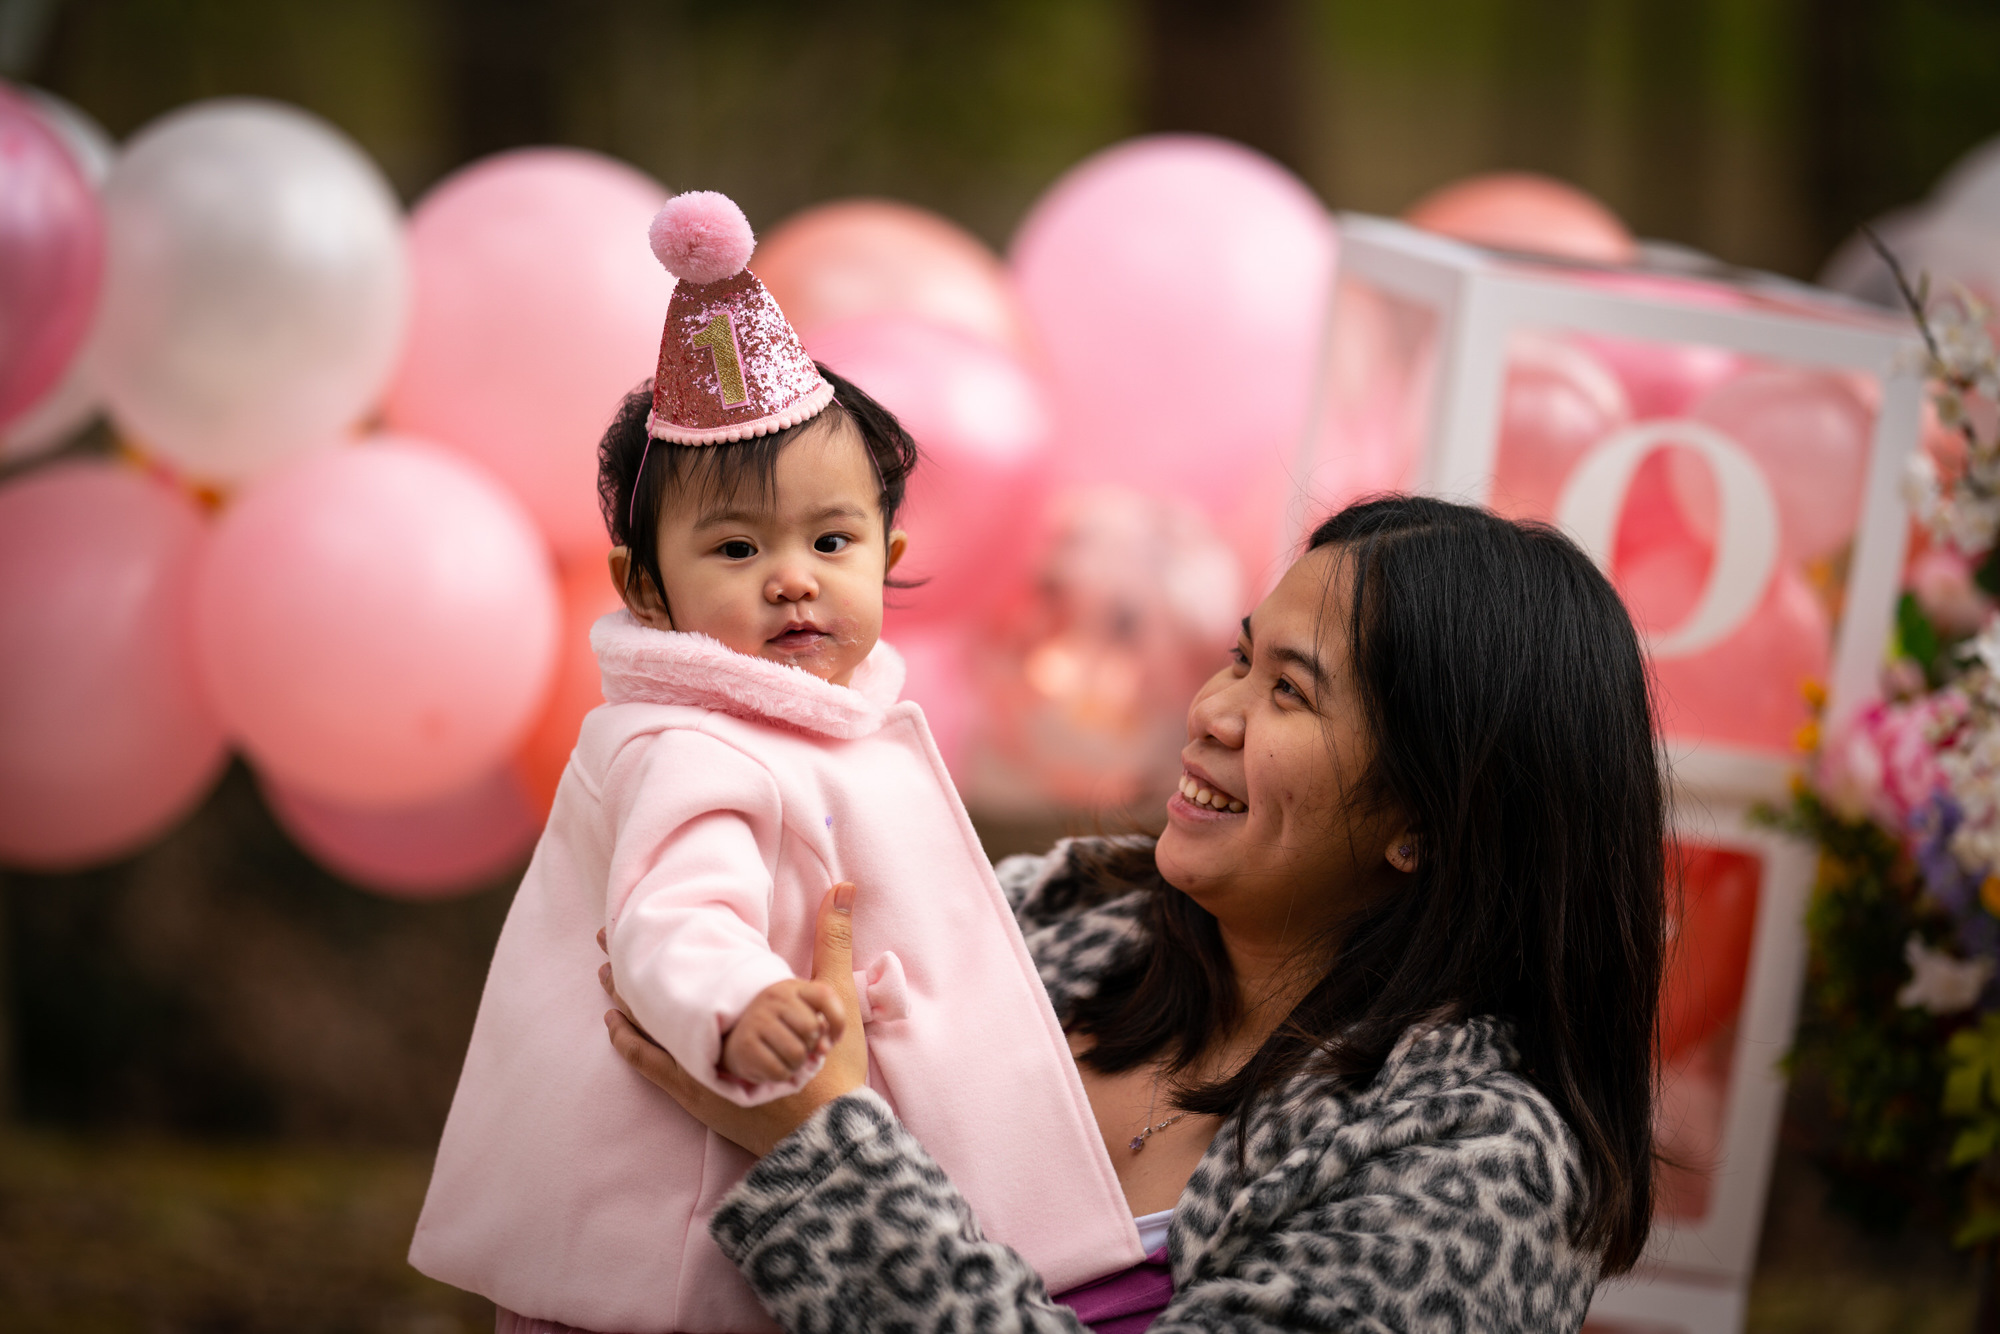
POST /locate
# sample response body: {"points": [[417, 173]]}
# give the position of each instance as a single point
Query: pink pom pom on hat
{"points": [[701, 237], [731, 366]]}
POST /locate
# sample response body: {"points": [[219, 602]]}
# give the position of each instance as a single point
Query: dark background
{"points": [[1762, 130], [219, 990]]}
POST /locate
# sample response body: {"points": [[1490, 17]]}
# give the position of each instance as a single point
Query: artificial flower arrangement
{"points": [[1901, 1018]]}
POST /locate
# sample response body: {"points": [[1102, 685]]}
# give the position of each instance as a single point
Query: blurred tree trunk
{"points": [[1230, 69], [1672, 139], [503, 57], [1846, 133], [1542, 57], [1986, 1317]]}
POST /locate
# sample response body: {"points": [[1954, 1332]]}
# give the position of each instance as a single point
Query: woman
{"points": [[1375, 1015]]}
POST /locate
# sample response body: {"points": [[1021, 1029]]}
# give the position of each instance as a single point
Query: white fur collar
{"points": [[648, 666]]}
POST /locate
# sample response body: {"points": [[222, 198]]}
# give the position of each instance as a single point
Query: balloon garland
{"points": [[290, 362]]}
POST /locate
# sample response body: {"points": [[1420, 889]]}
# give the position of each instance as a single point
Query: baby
{"points": [[750, 753]]}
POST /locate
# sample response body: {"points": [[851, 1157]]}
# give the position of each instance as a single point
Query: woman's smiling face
{"points": [[1286, 840]]}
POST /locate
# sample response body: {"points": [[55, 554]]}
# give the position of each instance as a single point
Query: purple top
{"points": [[1126, 1302]]}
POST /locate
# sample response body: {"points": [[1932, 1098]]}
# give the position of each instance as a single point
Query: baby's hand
{"points": [[787, 1025]]}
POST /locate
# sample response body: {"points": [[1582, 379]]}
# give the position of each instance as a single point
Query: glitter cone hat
{"points": [[730, 365]]}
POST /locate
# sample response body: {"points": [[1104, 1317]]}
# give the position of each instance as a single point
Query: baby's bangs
{"points": [[714, 475]]}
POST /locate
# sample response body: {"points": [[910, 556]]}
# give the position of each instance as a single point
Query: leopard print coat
{"points": [[1437, 1198]]}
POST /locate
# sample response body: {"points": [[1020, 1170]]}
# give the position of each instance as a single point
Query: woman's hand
{"points": [[759, 1129]]}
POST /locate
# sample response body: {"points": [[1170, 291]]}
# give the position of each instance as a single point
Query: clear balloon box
{"points": [[1728, 447]]}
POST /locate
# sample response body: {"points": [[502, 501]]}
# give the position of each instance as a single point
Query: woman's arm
{"points": [[833, 1156], [1444, 1206], [848, 1224], [1440, 1199], [1444, 1214]]}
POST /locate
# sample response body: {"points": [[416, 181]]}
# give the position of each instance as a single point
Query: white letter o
{"points": [[1746, 540]]}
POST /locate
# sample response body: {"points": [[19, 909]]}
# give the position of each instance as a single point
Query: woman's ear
{"points": [[1402, 853], [899, 542], [642, 599]]}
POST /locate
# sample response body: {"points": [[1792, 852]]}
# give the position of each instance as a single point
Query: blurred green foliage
{"points": [[1762, 130], [1879, 1066]]}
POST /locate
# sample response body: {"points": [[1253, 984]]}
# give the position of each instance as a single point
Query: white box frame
{"points": [[1695, 1276], [1482, 299], [1723, 1244]]}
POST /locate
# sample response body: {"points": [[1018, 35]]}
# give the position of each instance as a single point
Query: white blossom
{"points": [[1962, 510], [1971, 766], [1967, 737], [1920, 484], [1965, 350], [1939, 982], [1984, 648]]}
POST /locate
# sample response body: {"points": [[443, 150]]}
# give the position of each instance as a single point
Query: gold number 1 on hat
{"points": [[720, 339]]}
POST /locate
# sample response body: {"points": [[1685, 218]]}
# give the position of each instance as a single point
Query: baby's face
{"points": [[795, 577]]}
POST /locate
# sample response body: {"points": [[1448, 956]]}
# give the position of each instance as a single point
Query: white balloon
{"points": [[1857, 269], [87, 141], [1950, 249], [1970, 191], [1956, 251], [67, 408], [256, 287]]}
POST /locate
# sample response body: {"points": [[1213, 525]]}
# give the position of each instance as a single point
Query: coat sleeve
{"points": [[849, 1225], [1452, 1214], [1077, 874], [696, 831]]}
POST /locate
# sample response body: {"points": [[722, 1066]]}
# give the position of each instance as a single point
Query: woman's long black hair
{"points": [[1512, 723]]}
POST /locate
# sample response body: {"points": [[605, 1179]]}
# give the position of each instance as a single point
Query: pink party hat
{"points": [[730, 365]]}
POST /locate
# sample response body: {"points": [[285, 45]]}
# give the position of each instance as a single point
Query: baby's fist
{"points": [[789, 1024]]}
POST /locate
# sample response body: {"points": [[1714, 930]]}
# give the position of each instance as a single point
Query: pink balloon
{"points": [[576, 685], [1747, 690], [1811, 432], [1663, 379], [51, 256], [538, 305], [106, 738], [1523, 211], [1653, 520], [939, 681], [1673, 289], [1085, 672], [1377, 376], [1177, 287], [1559, 402], [449, 844], [983, 425], [377, 624], [1942, 580], [860, 257]]}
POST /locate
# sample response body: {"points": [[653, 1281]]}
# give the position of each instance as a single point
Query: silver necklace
{"points": [[1138, 1141]]}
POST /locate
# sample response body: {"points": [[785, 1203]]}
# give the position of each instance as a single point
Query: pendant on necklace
{"points": [[1138, 1141]]}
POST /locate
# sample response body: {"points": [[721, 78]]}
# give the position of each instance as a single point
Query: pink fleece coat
{"points": [[705, 811]]}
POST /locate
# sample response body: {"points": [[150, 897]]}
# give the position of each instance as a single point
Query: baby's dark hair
{"points": [[715, 471]]}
